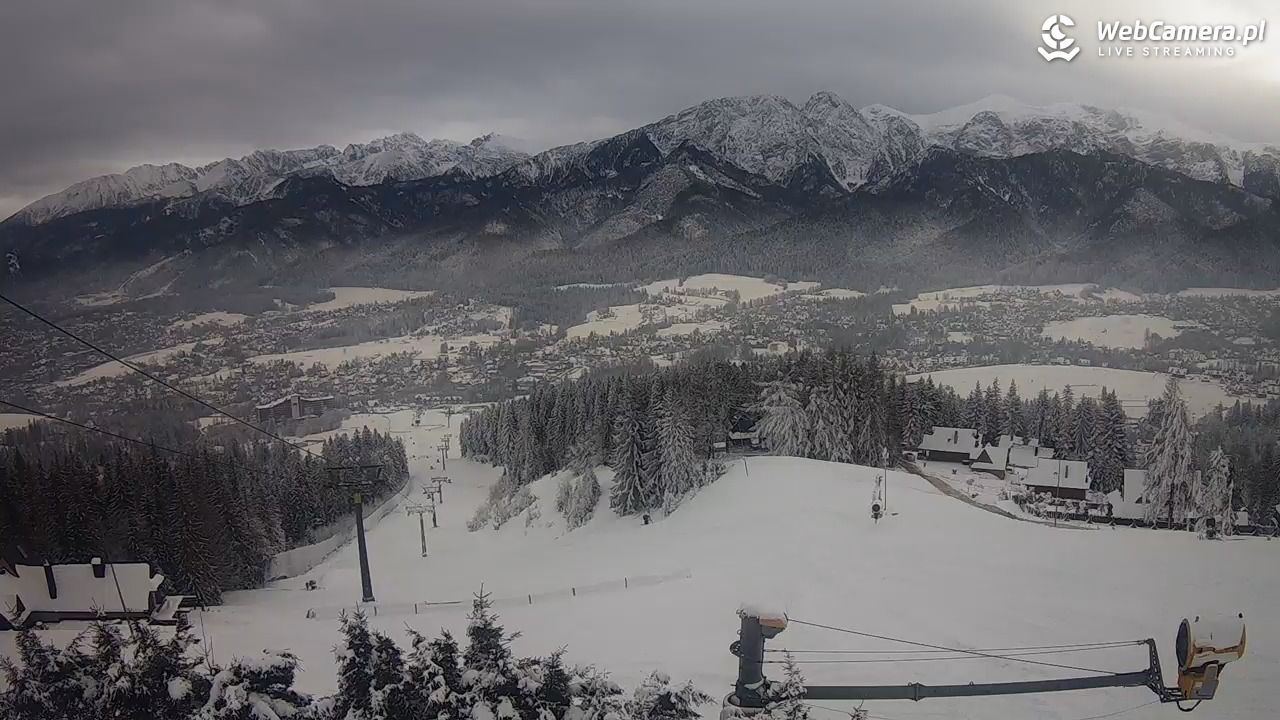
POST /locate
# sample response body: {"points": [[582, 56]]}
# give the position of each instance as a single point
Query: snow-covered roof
{"points": [[1075, 474], [945, 439], [79, 590], [1024, 456], [990, 458]]}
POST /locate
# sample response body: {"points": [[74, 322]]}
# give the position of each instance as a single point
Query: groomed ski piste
{"points": [[793, 534]]}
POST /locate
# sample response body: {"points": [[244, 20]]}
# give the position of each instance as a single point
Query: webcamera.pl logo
{"points": [[1056, 41], [1151, 39]]}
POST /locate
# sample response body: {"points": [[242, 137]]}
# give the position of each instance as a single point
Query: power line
{"points": [[955, 650], [151, 377]]}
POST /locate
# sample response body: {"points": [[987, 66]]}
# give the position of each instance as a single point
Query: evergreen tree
{"points": [[786, 699], [680, 462], [975, 411], [354, 699], [656, 699], [1012, 422], [992, 409], [1082, 428], [1063, 430], [630, 493], [823, 417], [46, 683], [1170, 461], [490, 674], [783, 422], [1215, 496], [435, 678], [256, 689]]}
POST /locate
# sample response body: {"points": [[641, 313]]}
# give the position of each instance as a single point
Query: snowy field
{"points": [[629, 317], [839, 294], [749, 288], [345, 297], [112, 368], [796, 534], [1228, 292], [15, 420], [428, 347], [1117, 331], [1134, 387], [225, 319]]}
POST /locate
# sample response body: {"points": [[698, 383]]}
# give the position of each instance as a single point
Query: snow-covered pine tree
{"points": [[911, 411], [1109, 447], [490, 671], [827, 435], [1082, 428], [656, 699], [783, 422], [630, 493], [354, 699], [583, 498], [993, 409], [1038, 424], [1215, 497], [1012, 422], [786, 698], [1170, 461], [392, 698], [680, 464], [595, 696], [46, 683], [975, 409], [434, 678], [255, 688], [1062, 430]]}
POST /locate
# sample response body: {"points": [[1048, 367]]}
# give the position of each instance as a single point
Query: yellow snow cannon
{"points": [[1204, 646]]}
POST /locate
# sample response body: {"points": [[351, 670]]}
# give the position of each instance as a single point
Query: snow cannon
{"points": [[1203, 647]]}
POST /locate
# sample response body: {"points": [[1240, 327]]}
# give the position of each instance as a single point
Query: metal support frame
{"points": [[359, 487], [751, 689]]}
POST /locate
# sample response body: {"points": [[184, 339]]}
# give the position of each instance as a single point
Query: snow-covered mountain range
{"points": [[765, 135], [251, 178]]}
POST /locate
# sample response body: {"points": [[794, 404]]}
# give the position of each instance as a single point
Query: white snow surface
{"points": [[111, 368], [1117, 331], [795, 535], [345, 297], [1133, 387], [427, 347], [226, 319]]}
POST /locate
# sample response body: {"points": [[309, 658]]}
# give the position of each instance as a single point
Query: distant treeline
{"points": [[208, 521]]}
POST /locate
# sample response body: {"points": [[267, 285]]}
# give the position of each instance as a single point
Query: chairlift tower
{"points": [[358, 487]]}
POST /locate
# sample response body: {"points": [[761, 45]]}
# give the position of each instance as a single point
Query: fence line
{"points": [[376, 609]]}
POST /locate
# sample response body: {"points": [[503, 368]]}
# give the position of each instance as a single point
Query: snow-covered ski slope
{"points": [[795, 534]]}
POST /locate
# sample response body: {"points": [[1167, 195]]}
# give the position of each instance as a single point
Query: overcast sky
{"points": [[96, 86]]}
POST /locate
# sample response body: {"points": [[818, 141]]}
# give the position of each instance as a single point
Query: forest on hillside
{"points": [[208, 519]]}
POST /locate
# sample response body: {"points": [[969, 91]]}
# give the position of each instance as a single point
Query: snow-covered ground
{"points": [[795, 534], [748, 288], [839, 294], [428, 347], [1228, 292], [15, 420], [622, 318], [1117, 331], [1134, 387], [225, 319], [112, 368], [345, 297]]}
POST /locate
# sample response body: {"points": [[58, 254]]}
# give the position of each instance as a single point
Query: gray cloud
{"points": [[93, 87]]}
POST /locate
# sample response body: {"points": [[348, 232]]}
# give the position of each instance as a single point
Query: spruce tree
{"points": [[354, 698], [1170, 461], [783, 423], [1215, 497], [490, 675], [786, 698], [630, 493], [257, 688], [1012, 424], [680, 462], [656, 699], [975, 409]]}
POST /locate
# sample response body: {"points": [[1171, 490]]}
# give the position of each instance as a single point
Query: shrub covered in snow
{"points": [[145, 676]]}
